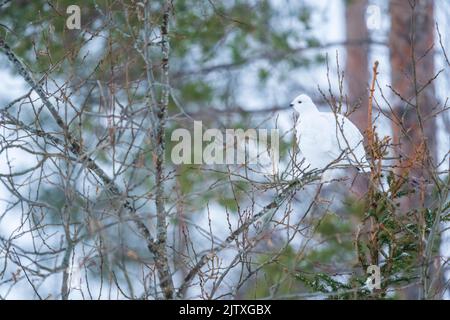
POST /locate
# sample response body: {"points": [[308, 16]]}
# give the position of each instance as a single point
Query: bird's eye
{"points": [[299, 101]]}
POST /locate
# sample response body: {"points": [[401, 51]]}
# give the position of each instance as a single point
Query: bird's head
{"points": [[303, 103]]}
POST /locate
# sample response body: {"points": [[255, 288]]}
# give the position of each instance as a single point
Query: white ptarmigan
{"points": [[326, 138]]}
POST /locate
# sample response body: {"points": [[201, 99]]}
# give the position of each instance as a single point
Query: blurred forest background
{"points": [[91, 205]]}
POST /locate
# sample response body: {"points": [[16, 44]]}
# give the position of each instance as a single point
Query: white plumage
{"points": [[326, 138]]}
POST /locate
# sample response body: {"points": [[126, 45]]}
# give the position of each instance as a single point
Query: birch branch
{"points": [[74, 145]]}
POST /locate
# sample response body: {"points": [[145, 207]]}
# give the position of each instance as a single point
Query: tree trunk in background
{"points": [[356, 67], [416, 26], [412, 66], [357, 72]]}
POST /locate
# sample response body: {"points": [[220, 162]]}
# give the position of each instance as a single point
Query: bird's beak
{"points": [[291, 105]]}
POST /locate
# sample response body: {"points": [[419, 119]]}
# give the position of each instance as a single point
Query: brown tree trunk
{"points": [[412, 68], [356, 67], [357, 73]]}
